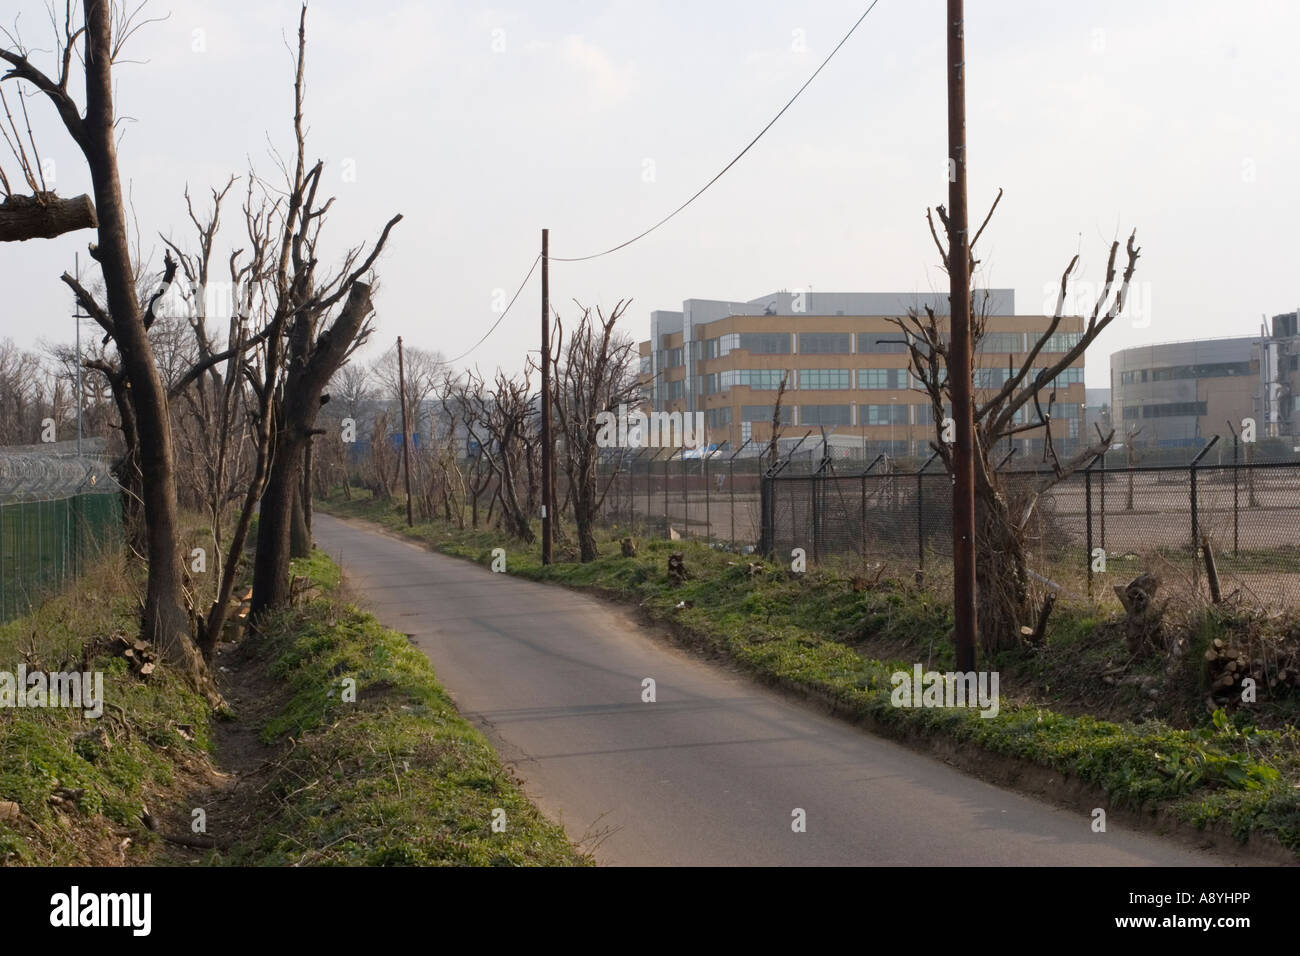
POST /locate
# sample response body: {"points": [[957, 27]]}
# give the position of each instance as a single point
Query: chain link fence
{"points": [[1102, 526], [57, 510], [710, 495]]}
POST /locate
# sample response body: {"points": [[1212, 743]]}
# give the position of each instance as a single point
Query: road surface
{"points": [[713, 771]]}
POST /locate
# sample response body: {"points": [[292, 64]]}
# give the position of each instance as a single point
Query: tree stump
{"points": [[677, 572], [629, 547], [1142, 615]]}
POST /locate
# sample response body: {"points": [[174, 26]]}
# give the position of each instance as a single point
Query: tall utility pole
{"points": [[959, 354], [406, 434], [547, 449]]}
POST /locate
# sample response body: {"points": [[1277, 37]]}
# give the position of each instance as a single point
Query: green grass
{"points": [[136, 751], [398, 777], [395, 777], [815, 633]]}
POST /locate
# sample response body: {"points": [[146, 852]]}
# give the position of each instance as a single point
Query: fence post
{"points": [[731, 482], [1087, 495], [40, 546], [813, 482], [686, 504], [1236, 494], [1196, 565], [1103, 501], [793, 522], [704, 469], [667, 522], [862, 521], [649, 488], [731, 487], [1196, 518], [920, 525]]}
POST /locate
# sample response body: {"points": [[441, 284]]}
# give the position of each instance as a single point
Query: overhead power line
{"points": [[723, 171], [531, 269], [697, 195]]}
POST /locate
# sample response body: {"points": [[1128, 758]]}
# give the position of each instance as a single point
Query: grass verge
{"points": [[815, 634], [395, 777], [72, 787], [378, 766]]}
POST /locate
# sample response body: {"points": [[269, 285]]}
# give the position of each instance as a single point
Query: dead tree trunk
{"points": [[310, 369]]}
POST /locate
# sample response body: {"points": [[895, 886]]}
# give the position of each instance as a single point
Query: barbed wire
{"points": [[55, 470]]}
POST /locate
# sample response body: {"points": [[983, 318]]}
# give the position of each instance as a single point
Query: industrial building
{"points": [[1181, 393], [845, 363]]}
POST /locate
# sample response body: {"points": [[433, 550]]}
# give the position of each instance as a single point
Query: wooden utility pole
{"points": [[406, 434], [959, 375], [547, 448]]}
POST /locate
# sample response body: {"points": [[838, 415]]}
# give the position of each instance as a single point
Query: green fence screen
{"points": [[48, 535]]}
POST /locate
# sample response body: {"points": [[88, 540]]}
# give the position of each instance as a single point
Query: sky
{"points": [[484, 123]]}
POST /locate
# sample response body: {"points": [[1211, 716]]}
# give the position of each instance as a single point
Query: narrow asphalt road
{"points": [[712, 772]]}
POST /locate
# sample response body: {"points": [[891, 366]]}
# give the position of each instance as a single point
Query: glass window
{"points": [[1062, 341], [1172, 410], [763, 413], [825, 414], [990, 377], [883, 378], [882, 414], [1069, 376], [883, 342], [1172, 373], [825, 343], [925, 413], [824, 378], [765, 343], [1002, 342], [756, 378]]}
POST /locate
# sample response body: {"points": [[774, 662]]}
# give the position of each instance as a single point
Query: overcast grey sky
{"points": [[482, 123]]}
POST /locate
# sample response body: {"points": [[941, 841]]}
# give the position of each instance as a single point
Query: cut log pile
{"points": [[139, 654], [1228, 665], [237, 620]]}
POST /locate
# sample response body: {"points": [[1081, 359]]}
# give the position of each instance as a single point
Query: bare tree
{"points": [[594, 374], [308, 347], [96, 43], [22, 396], [773, 443], [503, 424], [1003, 509], [40, 214], [424, 374]]}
